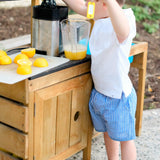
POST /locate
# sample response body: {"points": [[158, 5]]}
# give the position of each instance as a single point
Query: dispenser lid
{"points": [[50, 13]]}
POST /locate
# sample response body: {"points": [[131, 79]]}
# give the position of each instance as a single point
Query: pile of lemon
{"points": [[22, 59]]}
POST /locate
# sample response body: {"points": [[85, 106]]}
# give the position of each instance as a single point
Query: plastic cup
{"points": [[75, 36]]}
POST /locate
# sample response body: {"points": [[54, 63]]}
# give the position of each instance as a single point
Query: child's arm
{"points": [[79, 6], [119, 20]]}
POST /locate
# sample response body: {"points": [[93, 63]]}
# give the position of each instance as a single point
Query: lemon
{"points": [[24, 66], [30, 52], [20, 56], [40, 62], [24, 70], [24, 62], [3, 53], [5, 60]]}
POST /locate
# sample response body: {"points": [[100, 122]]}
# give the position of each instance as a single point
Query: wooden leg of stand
{"points": [[140, 101], [87, 150], [140, 94]]}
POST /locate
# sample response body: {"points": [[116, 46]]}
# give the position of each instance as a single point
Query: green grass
{"points": [[146, 12]]}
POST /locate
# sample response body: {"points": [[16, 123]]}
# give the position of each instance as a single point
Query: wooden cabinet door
{"points": [[61, 118]]}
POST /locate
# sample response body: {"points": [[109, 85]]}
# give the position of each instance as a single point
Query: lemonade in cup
{"points": [[75, 36]]}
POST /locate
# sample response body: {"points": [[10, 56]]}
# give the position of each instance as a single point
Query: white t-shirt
{"points": [[110, 64]]}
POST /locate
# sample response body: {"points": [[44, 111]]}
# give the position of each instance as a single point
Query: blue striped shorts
{"points": [[115, 116]]}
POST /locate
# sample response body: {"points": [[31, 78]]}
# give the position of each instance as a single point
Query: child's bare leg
{"points": [[112, 147], [128, 150]]}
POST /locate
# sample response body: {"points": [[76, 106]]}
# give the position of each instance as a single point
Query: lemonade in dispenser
{"points": [[75, 36]]}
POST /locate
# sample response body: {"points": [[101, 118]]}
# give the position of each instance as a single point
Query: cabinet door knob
{"points": [[76, 116]]}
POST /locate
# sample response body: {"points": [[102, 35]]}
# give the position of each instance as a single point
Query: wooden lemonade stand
{"points": [[46, 117]]}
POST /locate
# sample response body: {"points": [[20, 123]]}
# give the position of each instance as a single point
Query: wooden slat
{"points": [[76, 125], [60, 88], [45, 125], [6, 156], [13, 141], [30, 124], [63, 122], [16, 42], [59, 76], [38, 127], [69, 152], [13, 114], [15, 91], [49, 128]]}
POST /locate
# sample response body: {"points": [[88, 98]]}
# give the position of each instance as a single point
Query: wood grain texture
{"points": [[6, 156], [15, 91], [59, 76], [13, 141], [57, 129], [14, 114]]}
